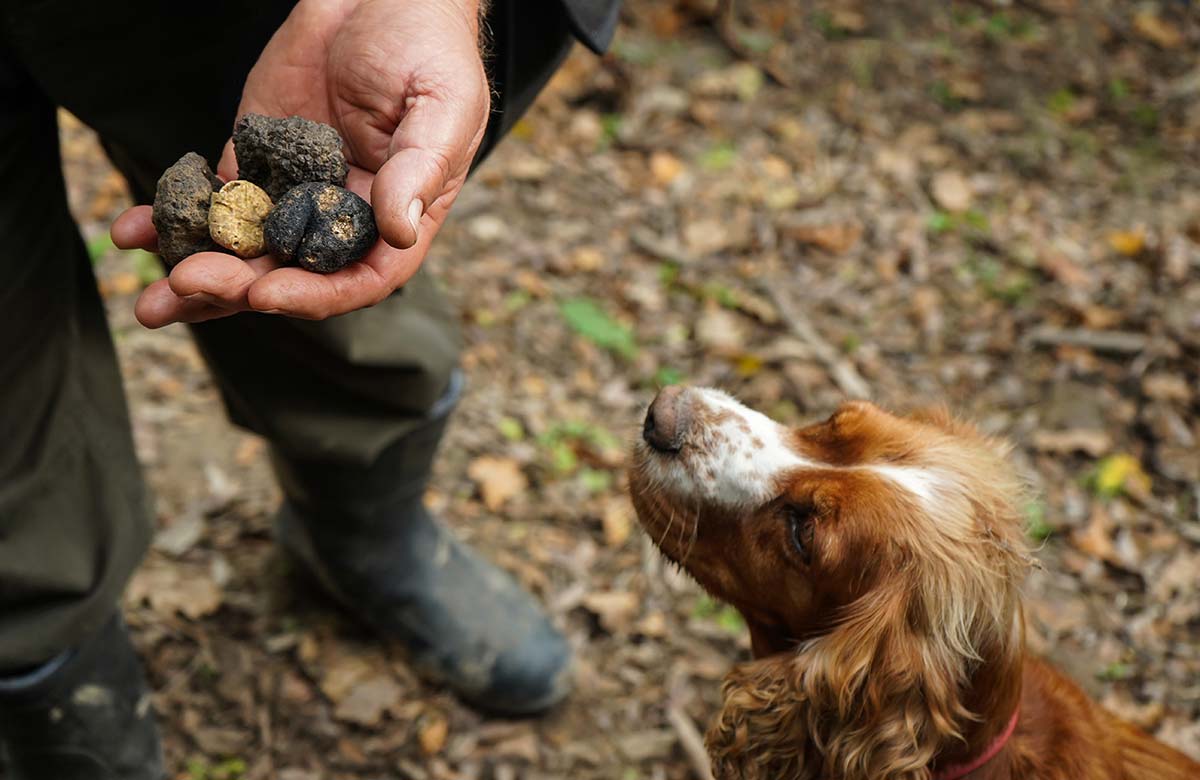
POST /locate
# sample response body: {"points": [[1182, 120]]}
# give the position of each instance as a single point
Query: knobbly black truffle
{"points": [[320, 227], [181, 204], [279, 154]]}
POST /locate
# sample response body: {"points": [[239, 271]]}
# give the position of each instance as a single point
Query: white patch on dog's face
{"points": [[734, 457], [731, 456], [923, 483]]}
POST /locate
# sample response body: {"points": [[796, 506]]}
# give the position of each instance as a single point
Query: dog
{"points": [[877, 560]]}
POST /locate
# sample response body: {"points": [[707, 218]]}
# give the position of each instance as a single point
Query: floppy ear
{"points": [[873, 700]]}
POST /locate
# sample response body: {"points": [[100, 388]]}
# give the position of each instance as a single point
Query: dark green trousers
{"points": [[156, 79]]}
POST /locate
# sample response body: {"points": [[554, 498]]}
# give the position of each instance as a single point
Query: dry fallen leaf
{"points": [[706, 236], [587, 259], [124, 283], [1094, 539], [1092, 442], [720, 330], [499, 479], [432, 733], [665, 167], [366, 702], [837, 238], [1121, 473], [617, 520], [952, 191], [175, 589], [615, 609], [1153, 28], [1128, 242]]}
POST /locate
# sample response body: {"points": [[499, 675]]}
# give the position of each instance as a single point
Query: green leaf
{"points": [[667, 376], [1115, 672], [718, 157], [1036, 527], [596, 480], [511, 428], [588, 319], [100, 246], [147, 267], [723, 615], [562, 457], [940, 222]]}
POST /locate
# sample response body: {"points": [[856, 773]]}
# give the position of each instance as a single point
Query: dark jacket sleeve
{"points": [[593, 21]]}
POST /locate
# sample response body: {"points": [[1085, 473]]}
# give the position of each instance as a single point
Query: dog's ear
{"points": [[875, 699], [884, 692]]}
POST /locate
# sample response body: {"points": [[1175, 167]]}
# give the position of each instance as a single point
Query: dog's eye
{"points": [[801, 527]]}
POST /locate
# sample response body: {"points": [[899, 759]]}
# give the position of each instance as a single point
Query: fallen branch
{"points": [[691, 741], [844, 374], [1119, 341]]}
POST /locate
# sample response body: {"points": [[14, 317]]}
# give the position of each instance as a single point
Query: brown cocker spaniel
{"points": [[878, 563]]}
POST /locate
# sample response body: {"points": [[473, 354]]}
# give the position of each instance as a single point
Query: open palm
{"points": [[404, 84]]}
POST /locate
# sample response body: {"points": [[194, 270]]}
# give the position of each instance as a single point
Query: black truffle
{"points": [[279, 154], [181, 204], [320, 227]]}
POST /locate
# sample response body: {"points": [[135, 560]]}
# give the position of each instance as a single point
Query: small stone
{"points": [[320, 227], [236, 217], [181, 204], [279, 154]]}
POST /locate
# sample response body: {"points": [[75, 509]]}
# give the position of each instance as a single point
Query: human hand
{"points": [[403, 83]]}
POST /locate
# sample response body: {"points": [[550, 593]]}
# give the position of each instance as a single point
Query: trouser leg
{"points": [[73, 520]]}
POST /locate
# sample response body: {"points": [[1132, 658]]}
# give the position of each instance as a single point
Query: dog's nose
{"points": [[666, 420]]}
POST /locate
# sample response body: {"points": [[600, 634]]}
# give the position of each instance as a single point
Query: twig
{"points": [[844, 374], [691, 741], [1119, 341]]}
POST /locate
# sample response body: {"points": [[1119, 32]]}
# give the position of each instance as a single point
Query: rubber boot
{"points": [[84, 715], [368, 538]]}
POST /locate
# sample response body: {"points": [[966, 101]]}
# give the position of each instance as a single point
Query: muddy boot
{"points": [[85, 715], [368, 538]]}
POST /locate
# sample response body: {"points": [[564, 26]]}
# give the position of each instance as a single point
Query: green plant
{"points": [[588, 318]]}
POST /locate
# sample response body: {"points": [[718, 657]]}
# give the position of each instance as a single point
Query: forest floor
{"points": [[991, 205]]}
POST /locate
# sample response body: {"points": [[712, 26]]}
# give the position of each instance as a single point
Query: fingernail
{"points": [[415, 211], [202, 298]]}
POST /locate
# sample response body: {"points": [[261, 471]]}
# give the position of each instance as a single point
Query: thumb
{"points": [[428, 157]]}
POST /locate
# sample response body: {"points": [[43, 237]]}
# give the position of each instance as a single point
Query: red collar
{"points": [[957, 771]]}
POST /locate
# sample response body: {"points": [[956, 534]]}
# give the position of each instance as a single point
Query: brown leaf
{"points": [[499, 479], [367, 701], [1093, 442], [175, 589], [248, 450], [720, 330], [665, 167], [837, 238], [614, 608], [124, 283], [432, 733], [1166, 387], [1128, 242], [952, 191], [706, 236], [1153, 28], [1094, 539], [617, 520]]}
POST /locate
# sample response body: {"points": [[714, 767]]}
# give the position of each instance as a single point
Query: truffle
{"points": [[181, 204], [320, 227], [279, 154], [235, 219]]}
